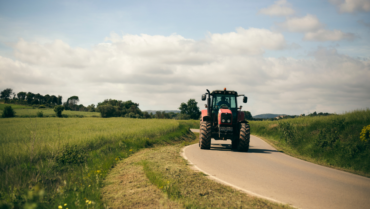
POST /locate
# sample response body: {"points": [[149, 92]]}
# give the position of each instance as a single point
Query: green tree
{"points": [[191, 109], [53, 99], [158, 114], [5, 94], [8, 112], [30, 97], [107, 111], [59, 100], [91, 108], [58, 109], [22, 96], [146, 115], [71, 103], [248, 115]]}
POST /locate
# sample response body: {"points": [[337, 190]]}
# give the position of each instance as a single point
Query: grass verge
{"points": [[162, 173], [332, 141]]}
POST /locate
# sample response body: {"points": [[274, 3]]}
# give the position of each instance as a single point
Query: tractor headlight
{"points": [[223, 120], [228, 120]]}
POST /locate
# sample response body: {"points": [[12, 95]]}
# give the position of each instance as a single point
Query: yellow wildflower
{"points": [[87, 201], [90, 202], [89, 185], [130, 150], [60, 207], [116, 158], [65, 204], [365, 133]]}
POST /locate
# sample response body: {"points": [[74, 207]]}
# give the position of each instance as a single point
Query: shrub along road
{"points": [[266, 172]]}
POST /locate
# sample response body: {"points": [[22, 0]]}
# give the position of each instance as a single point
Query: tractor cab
{"points": [[227, 100]]}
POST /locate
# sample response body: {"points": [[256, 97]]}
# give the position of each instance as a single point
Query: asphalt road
{"points": [[270, 174]]}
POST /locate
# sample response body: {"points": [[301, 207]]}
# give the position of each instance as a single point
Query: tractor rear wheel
{"points": [[244, 138], [205, 135]]}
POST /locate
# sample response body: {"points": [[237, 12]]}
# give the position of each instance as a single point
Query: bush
{"points": [[58, 110], [42, 106], [40, 114], [8, 112], [72, 155], [107, 111]]}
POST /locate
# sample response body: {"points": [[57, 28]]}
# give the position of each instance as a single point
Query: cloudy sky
{"points": [[288, 57]]}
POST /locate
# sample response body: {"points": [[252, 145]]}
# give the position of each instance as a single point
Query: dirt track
{"points": [[265, 172]]}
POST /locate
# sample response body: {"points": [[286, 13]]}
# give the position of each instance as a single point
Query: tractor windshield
{"points": [[223, 100]]}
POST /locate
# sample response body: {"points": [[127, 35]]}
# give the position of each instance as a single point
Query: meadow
{"points": [[14, 106], [328, 140], [30, 112], [48, 112], [55, 161]]}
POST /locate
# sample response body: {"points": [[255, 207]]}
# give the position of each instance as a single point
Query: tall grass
{"points": [[332, 140], [68, 158]]}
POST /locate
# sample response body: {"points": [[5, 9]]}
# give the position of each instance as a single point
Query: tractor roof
{"points": [[224, 92]]}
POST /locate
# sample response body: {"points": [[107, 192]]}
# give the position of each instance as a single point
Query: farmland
{"points": [[328, 140], [64, 159], [29, 112]]}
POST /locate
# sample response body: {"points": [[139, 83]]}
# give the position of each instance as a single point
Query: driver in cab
{"points": [[223, 103]]}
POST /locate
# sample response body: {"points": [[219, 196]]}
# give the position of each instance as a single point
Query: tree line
{"points": [[107, 108], [29, 98]]}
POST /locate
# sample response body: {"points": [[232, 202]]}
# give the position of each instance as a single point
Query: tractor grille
{"points": [[226, 118]]}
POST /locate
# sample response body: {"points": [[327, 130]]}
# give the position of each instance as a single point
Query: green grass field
{"points": [[29, 112], [14, 106], [329, 140], [65, 156], [48, 112]]}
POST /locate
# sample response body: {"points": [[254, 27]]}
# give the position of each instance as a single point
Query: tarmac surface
{"points": [[267, 173]]}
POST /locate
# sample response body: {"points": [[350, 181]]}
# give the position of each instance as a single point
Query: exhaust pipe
{"points": [[209, 104]]}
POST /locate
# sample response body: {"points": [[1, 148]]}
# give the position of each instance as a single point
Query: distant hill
{"points": [[167, 111], [267, 115]]}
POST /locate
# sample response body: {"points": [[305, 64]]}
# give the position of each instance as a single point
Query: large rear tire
{"points": [[244, 138], [205, 135]]}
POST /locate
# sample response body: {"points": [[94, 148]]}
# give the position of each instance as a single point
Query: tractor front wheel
{"points": [[205, 135], [235, 140], [244, 138]]}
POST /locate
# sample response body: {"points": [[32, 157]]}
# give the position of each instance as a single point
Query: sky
{"points": [[288, 57]]}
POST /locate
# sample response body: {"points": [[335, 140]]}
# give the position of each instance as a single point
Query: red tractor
{"points": [[223, 120]]}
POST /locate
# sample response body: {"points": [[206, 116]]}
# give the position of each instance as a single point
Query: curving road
{"points": [[268, 173]]}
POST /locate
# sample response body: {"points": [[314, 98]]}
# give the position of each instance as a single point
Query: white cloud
{"points": [[352, 6], [279, 8], [313, 29], [246, 41], [327, 35], [301, 24], [160, 72]]}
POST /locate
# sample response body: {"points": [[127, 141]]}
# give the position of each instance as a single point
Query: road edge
{"points": [[193, 166]]}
